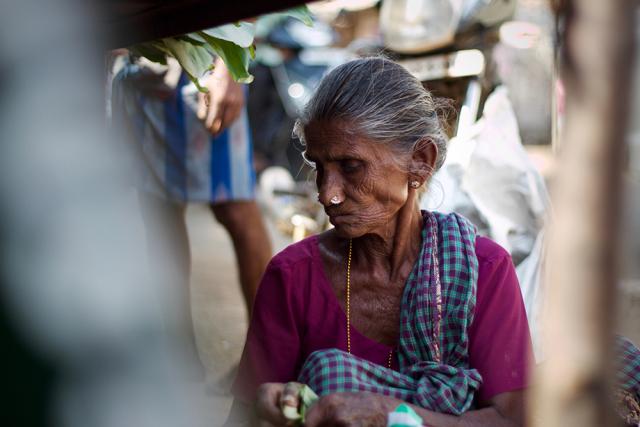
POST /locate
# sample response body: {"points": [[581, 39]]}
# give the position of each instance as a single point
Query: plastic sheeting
{"points": [[489, 178]]}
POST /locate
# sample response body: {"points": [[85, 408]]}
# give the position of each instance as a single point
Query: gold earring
{"points": [[415, 184]]}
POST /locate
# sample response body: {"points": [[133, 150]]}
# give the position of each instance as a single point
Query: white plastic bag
{"points": [[489, 178]]}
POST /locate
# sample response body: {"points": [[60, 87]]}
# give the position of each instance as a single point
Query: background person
{"points": [[194, 148]]}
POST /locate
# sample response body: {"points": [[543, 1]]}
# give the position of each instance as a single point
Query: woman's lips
{"points": [[337, 215], [337, 218]]}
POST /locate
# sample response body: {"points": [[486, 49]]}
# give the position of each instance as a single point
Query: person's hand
{"points": [[271, 398], [348, 410], [223, 104]]}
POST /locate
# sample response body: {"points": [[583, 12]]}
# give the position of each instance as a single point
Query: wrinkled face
{"points": [[363, 175]]}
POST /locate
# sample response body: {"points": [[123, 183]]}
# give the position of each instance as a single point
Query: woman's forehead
{"points": [[337, 140], [324, 129]]}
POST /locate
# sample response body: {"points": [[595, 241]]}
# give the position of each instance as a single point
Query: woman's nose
{"points": [[330, 189]]}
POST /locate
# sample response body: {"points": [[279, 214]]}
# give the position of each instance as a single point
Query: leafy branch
{"points": [[196, 51]]}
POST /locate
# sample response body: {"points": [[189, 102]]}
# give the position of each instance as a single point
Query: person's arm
{"points": [[272, 349], [499, 339], [223, 102]]}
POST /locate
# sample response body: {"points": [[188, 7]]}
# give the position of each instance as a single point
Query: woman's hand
{"points": [[369, 409], [348, 409], [271, 398]]}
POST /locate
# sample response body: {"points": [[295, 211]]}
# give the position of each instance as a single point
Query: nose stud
{"points": [[335, 200]]}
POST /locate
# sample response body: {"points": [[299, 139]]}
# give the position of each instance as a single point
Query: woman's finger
{"points": [[268, 404], [291, 395]]}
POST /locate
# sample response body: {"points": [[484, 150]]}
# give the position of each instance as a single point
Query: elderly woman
{"points": [[394, 304]]}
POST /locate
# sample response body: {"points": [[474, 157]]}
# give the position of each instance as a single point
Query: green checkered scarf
{"points": [[627, 364], [436, 312]]}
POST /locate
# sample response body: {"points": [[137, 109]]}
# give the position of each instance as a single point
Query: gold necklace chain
{"points": [[349, 306]]}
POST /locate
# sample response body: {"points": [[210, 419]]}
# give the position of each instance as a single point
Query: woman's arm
{"points": [[360, 409], [272, 348]]}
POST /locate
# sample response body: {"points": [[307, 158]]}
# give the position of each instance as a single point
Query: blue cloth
{"points": [[180, 160]]}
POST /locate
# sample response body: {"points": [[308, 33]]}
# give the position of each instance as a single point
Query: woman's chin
{"points": [[347, 230]]}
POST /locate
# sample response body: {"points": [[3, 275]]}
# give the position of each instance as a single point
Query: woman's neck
{"points": [[397, 246]]}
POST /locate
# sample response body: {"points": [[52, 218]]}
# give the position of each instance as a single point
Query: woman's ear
{"points": [[423, 160]]}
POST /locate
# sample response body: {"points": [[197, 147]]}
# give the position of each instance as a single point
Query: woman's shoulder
{"points": [[497, 287], [298, 269], [497, 280], [489, 251], [499, 338], [496, 272], [293, 280], [288, 276], [486, 249], [297, 255]]}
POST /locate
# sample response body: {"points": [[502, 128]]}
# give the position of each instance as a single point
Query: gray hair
{"points": [[384, 103]]}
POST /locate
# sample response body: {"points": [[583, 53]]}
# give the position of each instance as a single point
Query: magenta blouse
{"points": [[296, 313]]}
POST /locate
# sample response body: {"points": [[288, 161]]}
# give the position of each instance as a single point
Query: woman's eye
{"points": [[350, 166]]}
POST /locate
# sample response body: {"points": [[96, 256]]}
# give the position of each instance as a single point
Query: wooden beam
{"points": [[127, 23], [596, 66]]}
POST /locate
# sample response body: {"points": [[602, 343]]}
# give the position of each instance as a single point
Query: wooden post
{"points": [[596, 64]]}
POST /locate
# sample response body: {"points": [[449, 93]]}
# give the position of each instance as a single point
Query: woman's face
{"points": [[364, 176]]}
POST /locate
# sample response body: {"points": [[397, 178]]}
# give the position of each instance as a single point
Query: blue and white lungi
{"points": [[180, 160]]}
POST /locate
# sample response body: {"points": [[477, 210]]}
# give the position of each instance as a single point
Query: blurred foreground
{"points": [[219, 314]]}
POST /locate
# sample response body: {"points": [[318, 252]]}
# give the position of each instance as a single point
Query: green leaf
{"points": [[197, 37], [234, 57], [188, 38], [194, 60], [233, 43], [149, 51], [301, 13], [196, 82], [307, 395], [241, 33]]}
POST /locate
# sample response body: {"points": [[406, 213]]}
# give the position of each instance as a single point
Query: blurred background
{"points": [[84, 338]]}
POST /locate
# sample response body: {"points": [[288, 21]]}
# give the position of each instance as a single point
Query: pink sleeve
{"points": [[499, 339], [272, 348]]}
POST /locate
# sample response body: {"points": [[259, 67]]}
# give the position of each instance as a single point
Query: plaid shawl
{"points": [[628, 380], [435, 316], [628, 366]]}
